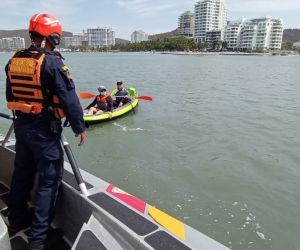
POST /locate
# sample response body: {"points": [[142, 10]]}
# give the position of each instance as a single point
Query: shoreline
{"points": [[230, 53], [191, 53]]}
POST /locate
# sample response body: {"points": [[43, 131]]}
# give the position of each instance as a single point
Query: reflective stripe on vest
{"points": [[24, 75]]}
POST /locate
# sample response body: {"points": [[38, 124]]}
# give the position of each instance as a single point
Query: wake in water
{"points": [[126, 129], [243, 231], [250, 220]]}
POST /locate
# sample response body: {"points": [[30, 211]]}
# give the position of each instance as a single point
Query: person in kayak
{"points": [[120, 101], [102, 103]]}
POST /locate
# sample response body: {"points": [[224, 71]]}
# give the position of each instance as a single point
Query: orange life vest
{"points": [[102, 99], [24, 75]]}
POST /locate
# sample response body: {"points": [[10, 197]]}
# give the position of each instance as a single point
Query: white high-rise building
{"points": [[296, 45], [232, 34], [100, 37], [78, 39], [67, 41], [186, 24], [260, 33], [210, 15], [214, 36], [12, 43], [139, 36]]}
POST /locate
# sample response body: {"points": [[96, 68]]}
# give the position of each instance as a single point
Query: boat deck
{"points": [[105, 218], [19, 241]]}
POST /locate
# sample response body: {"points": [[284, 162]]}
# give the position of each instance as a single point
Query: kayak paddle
{"points": [[143, 97], [86, 95]]}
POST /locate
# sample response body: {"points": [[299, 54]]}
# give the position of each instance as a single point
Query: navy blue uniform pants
{"points": [[38, 151]]}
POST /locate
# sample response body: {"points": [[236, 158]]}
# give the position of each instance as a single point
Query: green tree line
{"points": [[171, 44]]}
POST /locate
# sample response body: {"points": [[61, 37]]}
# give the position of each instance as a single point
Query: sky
{"points": [[125, 16]]}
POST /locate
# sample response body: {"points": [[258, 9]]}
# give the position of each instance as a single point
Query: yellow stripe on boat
{"points": [[173, 225]]}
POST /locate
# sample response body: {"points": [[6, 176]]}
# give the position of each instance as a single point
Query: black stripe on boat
{"points": [[70, 179], [2, 205], [3, 189], [161, 240], [131, 219], [4, 212], [18, 243], [54, 239], [5, 198], [89, 241], [12, 147]]}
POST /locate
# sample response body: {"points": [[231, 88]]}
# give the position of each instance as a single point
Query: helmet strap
{"points": [[43, 44], [36, 39]]}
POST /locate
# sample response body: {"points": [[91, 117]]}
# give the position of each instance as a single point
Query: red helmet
{"points": [[45, 25]]}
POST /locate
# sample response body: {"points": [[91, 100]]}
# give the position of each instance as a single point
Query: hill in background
{"points": [[289, 35], [16, 33], [24, 34], [122, 41], [162, 36]]}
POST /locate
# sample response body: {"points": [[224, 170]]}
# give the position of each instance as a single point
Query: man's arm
{"points": [[110, 103], [63, 86], [92, 104], [9, 94]]}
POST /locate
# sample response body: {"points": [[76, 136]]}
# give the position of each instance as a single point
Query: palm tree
{"points": [[224, 45]]}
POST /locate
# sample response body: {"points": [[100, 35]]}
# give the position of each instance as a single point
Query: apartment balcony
{"points": [[277, 25], [276, 37], [276, 40], [277, 31]]}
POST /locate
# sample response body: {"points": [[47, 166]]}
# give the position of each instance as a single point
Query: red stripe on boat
{"points": [[127, 198]]}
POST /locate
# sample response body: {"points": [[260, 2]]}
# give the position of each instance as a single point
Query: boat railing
{"points": [[67, 149], [10, 130]]}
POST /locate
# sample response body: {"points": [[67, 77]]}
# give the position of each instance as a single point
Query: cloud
{"points": [[150, 15], [24, 8], [262, 6], [153, 7], [157, 7], [16, 13]]}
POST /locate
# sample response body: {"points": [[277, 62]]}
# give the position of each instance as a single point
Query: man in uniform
{"points": [[40, 91]]}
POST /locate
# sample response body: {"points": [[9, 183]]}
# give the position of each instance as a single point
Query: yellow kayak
{"points": [[92, 119]]}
